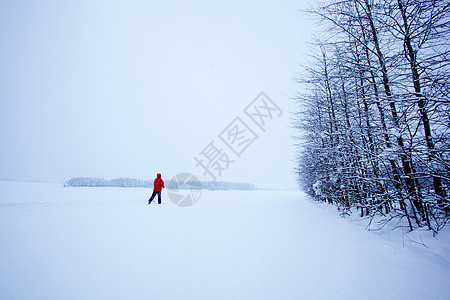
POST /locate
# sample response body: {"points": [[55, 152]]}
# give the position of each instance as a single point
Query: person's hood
{"points": [[158, 175]]}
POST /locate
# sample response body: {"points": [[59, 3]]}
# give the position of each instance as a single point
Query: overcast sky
{"points": [[130, 88]]}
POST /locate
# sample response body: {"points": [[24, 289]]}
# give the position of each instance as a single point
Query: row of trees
{"points": [[133, 182], [375, 110], [101, 182]]}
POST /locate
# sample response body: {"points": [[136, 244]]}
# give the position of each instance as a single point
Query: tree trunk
{"points": [[406, 163], [411, 56]]}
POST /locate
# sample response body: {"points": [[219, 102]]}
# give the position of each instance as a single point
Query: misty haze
{"points": [[224, 150]]}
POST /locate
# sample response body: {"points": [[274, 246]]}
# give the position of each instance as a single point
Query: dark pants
{"points": [[153, 196]]}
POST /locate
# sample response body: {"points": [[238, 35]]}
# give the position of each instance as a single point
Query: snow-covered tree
{"points": [[374, 110]]}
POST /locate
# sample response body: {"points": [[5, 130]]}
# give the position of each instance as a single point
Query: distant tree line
{"points": [[134, 183], [374, 111], [101, 182]]}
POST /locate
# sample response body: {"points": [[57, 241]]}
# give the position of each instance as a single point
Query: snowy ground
{"points": [[106, 243]]}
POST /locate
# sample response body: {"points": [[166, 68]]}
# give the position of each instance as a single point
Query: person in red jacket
{"points": [[158, 185]]}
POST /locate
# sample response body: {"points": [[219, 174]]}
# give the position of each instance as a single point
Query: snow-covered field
{"points": [[107, 243]]}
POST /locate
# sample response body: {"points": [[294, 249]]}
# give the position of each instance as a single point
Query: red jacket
{"points": [[158, 184]]}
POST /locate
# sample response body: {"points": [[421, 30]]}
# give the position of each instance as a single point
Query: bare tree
{"points": [[381, 72]]}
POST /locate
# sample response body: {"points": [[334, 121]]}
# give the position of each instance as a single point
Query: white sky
{"points": [[130, 88]]}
